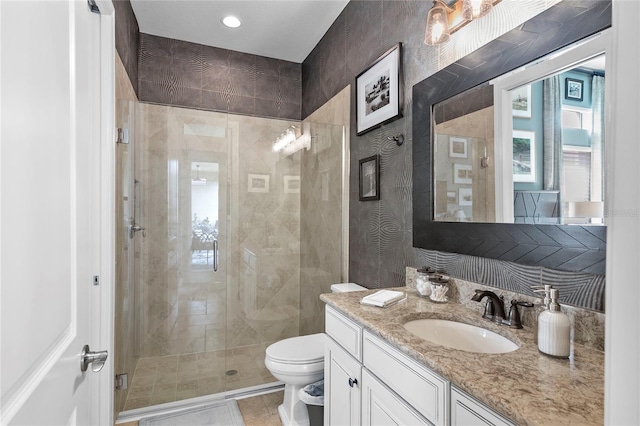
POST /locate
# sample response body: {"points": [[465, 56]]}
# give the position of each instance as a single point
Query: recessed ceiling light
{"points": [[231, 22]]}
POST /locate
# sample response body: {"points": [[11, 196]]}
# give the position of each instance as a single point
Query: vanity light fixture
{"points": [[447, 16], [292, 140], [231, 21], [437, 24], [473, 9]]}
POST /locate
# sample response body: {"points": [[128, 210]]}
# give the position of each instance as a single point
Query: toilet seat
{"points": [[298, 350]]}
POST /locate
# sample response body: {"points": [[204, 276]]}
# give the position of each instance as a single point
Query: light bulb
{"points": [[473, 9], [437, 26]]}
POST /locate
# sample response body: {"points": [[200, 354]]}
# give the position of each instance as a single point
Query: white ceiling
{"points": [[282, 29]]}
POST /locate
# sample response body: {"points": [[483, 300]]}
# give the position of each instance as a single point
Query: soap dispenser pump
{"points": [[554, 329]]}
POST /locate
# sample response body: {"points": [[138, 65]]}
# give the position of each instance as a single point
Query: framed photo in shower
{"points": [[379, 91], [258, 183], [369, 177]]}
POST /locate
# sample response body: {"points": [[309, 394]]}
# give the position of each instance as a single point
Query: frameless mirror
{"points": [[537, 159]]}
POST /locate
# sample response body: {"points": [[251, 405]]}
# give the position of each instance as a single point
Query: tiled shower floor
{"points": [[172, 378]]}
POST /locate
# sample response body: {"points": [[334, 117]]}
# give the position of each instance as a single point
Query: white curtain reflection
{"points": [[597, 138]]}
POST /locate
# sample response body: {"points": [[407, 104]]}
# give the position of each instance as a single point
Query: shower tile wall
{"points": [[321, 223], [180, 73]]}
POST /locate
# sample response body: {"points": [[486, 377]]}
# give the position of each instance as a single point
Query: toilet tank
{"points": [[346, 287]]}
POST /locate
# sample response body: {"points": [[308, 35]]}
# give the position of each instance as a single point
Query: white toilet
{"points": [[297, 362]]}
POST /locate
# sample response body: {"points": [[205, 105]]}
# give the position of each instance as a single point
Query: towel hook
{"points": [[399, 139]]}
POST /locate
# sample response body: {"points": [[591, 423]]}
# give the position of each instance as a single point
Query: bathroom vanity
{"points": [[377, 372]]}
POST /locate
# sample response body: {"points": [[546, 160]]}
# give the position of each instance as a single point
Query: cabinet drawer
{"points": [[466, 411], [344, 331], [380, 406], [422, 389]]}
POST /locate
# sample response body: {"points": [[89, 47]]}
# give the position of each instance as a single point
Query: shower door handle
{"points": [[215, 255], [136, 228]]}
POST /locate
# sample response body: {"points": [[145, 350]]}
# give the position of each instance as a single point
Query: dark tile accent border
{"points": [[127, 36], [179, 73]]}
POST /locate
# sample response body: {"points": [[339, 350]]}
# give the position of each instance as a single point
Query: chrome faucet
{"points": [[494, 308]]}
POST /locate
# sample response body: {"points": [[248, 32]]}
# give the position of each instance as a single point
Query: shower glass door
{"points": [[220, 262]]}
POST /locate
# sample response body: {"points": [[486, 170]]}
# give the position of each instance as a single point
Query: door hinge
{"points": [[96, 280], [123, 136], [122, 381]]}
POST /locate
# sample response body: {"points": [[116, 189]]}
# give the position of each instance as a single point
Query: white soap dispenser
{"points": [[554, 329]]}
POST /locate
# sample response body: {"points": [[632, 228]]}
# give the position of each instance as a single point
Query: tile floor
{"points": [[173, 378], [259, 410]]}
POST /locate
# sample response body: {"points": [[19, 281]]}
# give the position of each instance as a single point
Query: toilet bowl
{"points": [[297, 362]]}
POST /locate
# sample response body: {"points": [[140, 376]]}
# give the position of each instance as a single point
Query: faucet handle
{"points": [[514, 315], [489, 310]]}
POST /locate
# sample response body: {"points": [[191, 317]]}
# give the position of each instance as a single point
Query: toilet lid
{"points": [[298, 350]]}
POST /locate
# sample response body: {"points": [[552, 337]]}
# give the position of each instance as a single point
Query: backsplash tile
{"points": [[587, 326], [576, 289]]}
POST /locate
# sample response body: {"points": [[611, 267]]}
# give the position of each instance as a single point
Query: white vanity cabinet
{"points": [[342, 370], [465, 411], [370, 382]]}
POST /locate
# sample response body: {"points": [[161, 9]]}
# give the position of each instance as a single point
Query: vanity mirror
{"points": [[490, 148]]}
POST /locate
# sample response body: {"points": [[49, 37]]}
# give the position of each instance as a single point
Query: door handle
{"points": [[89, 357], [353, 382], [135, 228], [215, 255]]}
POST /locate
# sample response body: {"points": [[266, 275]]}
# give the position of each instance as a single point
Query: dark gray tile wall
{"points": [[380, 232], [127, 39], [179, 73]]}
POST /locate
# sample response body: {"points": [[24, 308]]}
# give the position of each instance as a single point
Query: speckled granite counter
{"points": [[526, 386]]}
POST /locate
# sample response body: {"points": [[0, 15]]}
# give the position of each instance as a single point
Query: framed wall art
{"points": [[462, 174], [524, 156], [379, 91], [521, 101], [457, 147], [369, 178], [258, 183], [573, 89]]}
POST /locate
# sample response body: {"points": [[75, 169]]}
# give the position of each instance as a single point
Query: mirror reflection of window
{"points": [[556, 172], [569, 126]]}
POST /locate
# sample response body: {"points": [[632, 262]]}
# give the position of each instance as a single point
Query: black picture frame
{"points": [[573, 89], [379, 91], [369, 178]]}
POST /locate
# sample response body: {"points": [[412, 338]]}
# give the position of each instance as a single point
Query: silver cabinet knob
{"points": [[96, 358]]}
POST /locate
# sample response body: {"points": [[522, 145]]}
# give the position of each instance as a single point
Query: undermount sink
{"points": [[457, 335]]}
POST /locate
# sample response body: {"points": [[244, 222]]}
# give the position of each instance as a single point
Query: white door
{"points": [[55, 212]]}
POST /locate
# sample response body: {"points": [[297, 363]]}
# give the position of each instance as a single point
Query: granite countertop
{"points": [[526, 386]]}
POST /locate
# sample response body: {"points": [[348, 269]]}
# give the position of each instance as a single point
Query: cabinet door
{"points": [[466, 411], [342, 378], [424, 390], [380, 406]]}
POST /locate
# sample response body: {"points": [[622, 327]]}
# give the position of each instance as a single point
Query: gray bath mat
{"points": [[223, 413]]}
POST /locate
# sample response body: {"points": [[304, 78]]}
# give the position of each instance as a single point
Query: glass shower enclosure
{"points": [[219, 271]]}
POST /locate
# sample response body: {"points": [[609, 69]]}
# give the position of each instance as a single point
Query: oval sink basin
{"points": [[457, 335]]}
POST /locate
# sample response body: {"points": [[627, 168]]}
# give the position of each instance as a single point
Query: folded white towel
{"points": [[382, 298]]}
